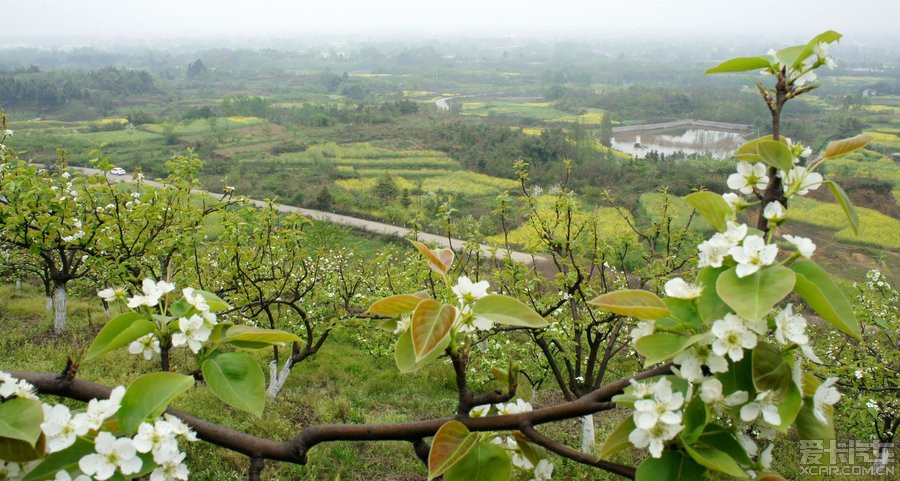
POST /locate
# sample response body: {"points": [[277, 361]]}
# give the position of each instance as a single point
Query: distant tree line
{"points": [[33, 88]]}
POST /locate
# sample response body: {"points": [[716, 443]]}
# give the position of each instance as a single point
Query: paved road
{"points": [[356, 223]]}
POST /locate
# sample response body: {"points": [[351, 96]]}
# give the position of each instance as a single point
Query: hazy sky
{"points": [[31, 19]]}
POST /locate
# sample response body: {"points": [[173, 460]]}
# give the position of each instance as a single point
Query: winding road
{"points": [[366, 225]]}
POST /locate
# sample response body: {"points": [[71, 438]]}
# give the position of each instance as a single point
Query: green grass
{"points": [[531, 110]]}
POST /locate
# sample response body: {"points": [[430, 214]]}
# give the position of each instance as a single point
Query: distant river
{"points": [[719, 143]]}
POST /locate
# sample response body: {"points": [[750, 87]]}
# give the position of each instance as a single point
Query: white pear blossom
{"points": [[691, 361], [99, 410], [641, 390], [180, 429], [641, 329], [517, 407], [112, 454], [752, 255], [826, 395], [748, 444], [65, 476], [806, 78], [764, 404], [403, 323], [518, 459], [60, 428], [711, 393], [733, 200], [157, 438], [12, 387], [152, 292], [714, 250], [765, 457], [682, 289], [172, 470], [467, 291], [146, 345], [804, 246], [193, 331], [774, 211], [7, 133], [10, 471], [732, 337], [800, 181], [480, 411], [663, 407], [655, 437], [112, 294], [748, 177], [195, 299], [543, 471], [790, 326]]}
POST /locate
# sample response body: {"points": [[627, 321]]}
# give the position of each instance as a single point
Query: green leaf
{"points": [[237, 379], [452, 442], [696, 415], [405, 356], [18, 451], [684, 316], [671, 466], [661, 347], [827, 37], [215, 303], [741, 64], [65, 460], [789, 55], [838, 148], [148, 396], [821, 293], [710, 306], [395, 306], [771, 371], [118, 332], [712, 207], [775, 154], [617, 440], [507, 310], [789, 408], [748, 151], [844, 201], [753, 296], [431, 323], [724, 440], [485, 462], [250, 337], [21, 419], [809, 428], [635, 303], [716, 460]]}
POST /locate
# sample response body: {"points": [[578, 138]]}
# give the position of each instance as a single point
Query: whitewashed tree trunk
{"points": [[18, 284], [278, 378], [49, 305], [588, 439], [59, 308]]}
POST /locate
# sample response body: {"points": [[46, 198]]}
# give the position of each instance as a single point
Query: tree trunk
{"points": [[276, 378], [164, 358], [884, 457], [59, 308], [49, 305], [18, 284], [588, 439]]}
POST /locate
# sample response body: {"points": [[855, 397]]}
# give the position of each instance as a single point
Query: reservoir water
{"points": [[719, 143]]}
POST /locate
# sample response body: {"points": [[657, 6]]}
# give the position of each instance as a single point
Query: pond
{"points": [[719, 143]]}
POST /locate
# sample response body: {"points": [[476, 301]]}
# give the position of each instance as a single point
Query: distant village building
{"points": [[869, 93]]}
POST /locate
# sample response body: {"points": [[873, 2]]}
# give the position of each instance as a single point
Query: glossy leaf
{"points": [[696, 415], [838, 148], [452, 442], [65, 460], [661, 347], [405, 356], [715, 460], [712, 207], [148, 396], [671, 466], [439, 261], [118, 332], [617, 440], [724, 440], [846, 205], [821, 293], [684, 316], [748, 151], [809, 428], [215, 303], [21, 419], [710, 306], [826, 37], [237, 379], [250, 337], [789, 408], [635, 303], [771, 371], [753, 296], [507, 310], [485, 462], [395, 306], [18, 451], [431, 323], [741, 64], [775, 154]]}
